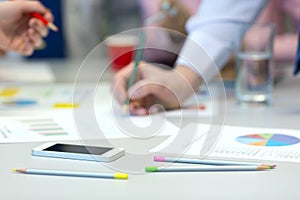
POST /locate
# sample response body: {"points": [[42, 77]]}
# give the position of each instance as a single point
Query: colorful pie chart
{"points": [[268, 139]]}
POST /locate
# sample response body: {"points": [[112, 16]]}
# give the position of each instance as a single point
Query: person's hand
{"points": [[175, 21], [19, 31], [155, 89]]}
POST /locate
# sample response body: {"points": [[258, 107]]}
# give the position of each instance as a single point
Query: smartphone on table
{"points": [[78, 152]]}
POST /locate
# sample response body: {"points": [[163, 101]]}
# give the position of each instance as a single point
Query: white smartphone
{"points": [[78, 152]]}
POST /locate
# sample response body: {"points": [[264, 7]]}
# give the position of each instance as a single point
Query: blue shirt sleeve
{"points": [[214, 32]]}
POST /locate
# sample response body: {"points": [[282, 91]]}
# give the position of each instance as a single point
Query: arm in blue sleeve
{"points": [[214, 32]]}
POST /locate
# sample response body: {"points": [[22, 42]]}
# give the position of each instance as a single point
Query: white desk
{"points": [[279, 184]]}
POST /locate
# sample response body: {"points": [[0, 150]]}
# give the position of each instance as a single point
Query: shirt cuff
{"points": [[204, 54]]}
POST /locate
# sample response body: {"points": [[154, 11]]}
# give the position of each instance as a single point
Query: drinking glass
{"points": [[254, 83]]}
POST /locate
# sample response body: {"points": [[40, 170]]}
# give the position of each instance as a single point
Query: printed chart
{"points": [[268, 139], [250, 143], [44, 96], [36, 129]]}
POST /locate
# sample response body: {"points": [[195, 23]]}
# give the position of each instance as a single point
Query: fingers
{"points": [[38, 27], [25, 48], [35, 38], [49, 16], [37, 30], [148, 105], [23, 45], [144, 88], [33, 6], [138, 107], [120, 82], [32, 38], [23, 33], [152, 91]]}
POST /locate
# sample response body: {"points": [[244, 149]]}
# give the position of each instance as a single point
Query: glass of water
{"points": [[254, 81]]}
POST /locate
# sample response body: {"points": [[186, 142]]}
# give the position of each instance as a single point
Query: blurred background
{"points": [[86, 23]]}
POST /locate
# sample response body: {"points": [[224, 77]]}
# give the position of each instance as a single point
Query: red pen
{"points": [[46, 22]]}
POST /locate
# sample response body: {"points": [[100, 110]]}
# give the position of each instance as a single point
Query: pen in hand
{"points": [[137, 60], [50, 25]]}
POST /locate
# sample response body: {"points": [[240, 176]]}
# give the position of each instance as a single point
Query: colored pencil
{"points": [[45, 21], [50, 25], [72, 173], [137, 60], [206, 169], [207, 162]]}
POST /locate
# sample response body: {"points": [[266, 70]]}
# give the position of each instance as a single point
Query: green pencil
{"points": [[137, 60], [207, 169]]}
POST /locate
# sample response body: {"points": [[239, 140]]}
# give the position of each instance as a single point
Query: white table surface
{"points": [[282, 183]]}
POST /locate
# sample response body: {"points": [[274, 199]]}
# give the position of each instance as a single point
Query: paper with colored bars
{"points": [[243, 143], [42, 97], [61, 126], [37, 128]]}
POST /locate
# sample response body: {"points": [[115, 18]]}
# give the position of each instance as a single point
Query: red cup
{"points": [[120, 51]]}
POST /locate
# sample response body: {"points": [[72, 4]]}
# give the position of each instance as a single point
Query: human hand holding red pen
{"points": [[44, 21], [19, 31]]}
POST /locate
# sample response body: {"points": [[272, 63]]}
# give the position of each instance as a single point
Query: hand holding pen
{"points": [[20, 31]]}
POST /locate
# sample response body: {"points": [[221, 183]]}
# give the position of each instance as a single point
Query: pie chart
{"points": [[268, 139]]}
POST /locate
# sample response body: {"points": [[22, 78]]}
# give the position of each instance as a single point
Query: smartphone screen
{"points": [[78, 149]]}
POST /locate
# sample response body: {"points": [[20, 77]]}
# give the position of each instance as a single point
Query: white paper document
{"points": [[198, 105], [63, 125], [97, 117], [235, 142], [204, 109], [36, 128]]}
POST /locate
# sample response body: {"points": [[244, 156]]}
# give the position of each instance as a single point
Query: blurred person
{"points": [[216, 28], [282, 14], [276, 11], [184, 10]]}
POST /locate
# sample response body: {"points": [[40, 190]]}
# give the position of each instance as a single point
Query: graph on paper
{"points": [[255, 143], [35, 129], [44, 96], [268, 139]]}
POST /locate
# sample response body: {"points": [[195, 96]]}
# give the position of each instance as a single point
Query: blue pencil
{"points": [[72, 173], [207, 162], [206, 169]]}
